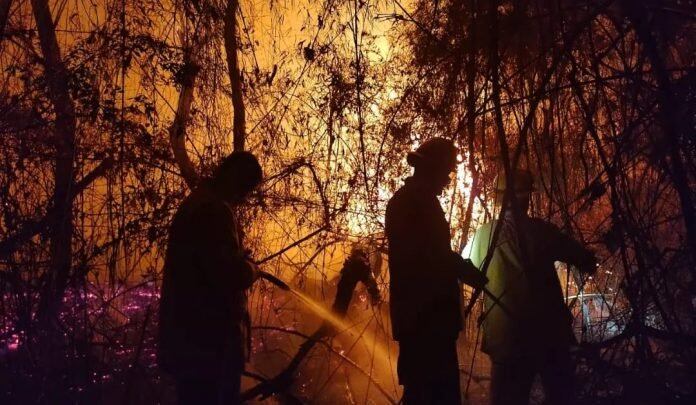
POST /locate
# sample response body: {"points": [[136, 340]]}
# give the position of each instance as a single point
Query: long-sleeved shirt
{"points": [[527, 285], [424, 279], [205, 277]]}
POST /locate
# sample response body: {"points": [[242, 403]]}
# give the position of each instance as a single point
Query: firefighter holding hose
{"points": [[529, 331], [425, 276], [203, 310]]}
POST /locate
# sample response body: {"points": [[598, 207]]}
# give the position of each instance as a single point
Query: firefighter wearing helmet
{"points": [[425, 276], [535, 338]]}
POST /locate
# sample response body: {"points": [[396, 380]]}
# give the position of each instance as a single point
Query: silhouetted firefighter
{"points": [[204, 323], [424, 279], [535, 337]]}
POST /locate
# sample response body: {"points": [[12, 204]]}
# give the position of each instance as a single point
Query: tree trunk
{"points": [[32, 228], [471, 123], [61, 226], [231, 48], [177, 131], [5, 6]]}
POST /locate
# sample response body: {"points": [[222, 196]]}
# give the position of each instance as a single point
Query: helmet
{"points": [[435, 153], [524, 182]]}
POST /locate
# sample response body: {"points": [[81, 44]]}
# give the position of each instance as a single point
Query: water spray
{"points": [[313, 305], [333, 324]]}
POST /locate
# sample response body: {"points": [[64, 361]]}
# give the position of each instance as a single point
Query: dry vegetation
{"points": [[110, 110]]}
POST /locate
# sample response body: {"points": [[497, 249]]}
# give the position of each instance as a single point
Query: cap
{"points": [[242, 167]]}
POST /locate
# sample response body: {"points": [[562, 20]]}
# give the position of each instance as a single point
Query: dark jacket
{"points": [[424, 287], [528, 286], [203, 303]]}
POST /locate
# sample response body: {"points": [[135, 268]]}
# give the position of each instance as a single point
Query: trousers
{"points": [[511, 381], [217, 384], [429, 371]]}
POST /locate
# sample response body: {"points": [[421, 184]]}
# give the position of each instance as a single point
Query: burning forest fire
{"points": [[569, 145]]}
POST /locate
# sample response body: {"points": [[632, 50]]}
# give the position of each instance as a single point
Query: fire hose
{"points": [[284, 286], [273, 280]]}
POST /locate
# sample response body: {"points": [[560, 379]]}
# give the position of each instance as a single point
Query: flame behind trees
{"points": [[584, 95], [109, 116]]}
